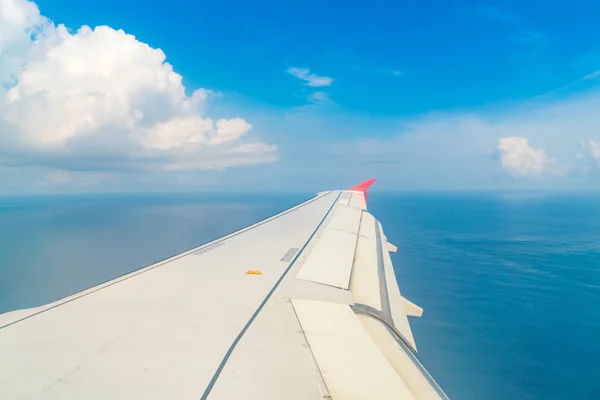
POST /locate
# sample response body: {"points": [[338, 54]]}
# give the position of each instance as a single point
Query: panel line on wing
{"points": [[355, 248], [311, 355], [215, 377]]}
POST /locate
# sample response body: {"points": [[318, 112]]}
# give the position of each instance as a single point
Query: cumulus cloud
{"points": [[520, 159], [311, 79], [99, 96]]}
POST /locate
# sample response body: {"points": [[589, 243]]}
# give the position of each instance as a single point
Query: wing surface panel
{"points": [[346, 219]]}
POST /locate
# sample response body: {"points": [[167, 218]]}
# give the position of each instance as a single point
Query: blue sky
{"points": [[429, 95], [452, 55]]}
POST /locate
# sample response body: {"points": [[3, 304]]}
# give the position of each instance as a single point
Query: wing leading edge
{"points": [[324, 319]]}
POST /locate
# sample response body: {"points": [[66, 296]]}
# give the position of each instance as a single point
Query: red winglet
{"points": [[363, 187]]}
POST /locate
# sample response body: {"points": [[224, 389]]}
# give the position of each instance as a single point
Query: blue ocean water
{"points": [[510, 282]]}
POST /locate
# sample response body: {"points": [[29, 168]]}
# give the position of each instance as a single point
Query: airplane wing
{"points": [[302, 305]]}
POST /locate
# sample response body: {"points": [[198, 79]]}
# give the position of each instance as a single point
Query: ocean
{"points": [[510, 282]]}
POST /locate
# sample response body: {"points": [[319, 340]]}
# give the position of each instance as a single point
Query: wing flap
{"points": [[373, 282], [408, 368], [364, 284], [330, 261], [396, 301], [351, 364]]}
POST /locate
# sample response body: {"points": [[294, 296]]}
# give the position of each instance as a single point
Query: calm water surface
{"points": [[510, 283]]}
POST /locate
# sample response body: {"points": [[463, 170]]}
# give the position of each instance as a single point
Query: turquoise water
{"points": [[510, 283]]}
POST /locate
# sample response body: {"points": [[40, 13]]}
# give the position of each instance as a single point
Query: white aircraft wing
{"points": [[302, 305]]}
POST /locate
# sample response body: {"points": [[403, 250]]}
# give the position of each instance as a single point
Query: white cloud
{"points": [[231, 129], [311, 79], [19, 20], [590, 154], [520, 159], [320, 98], [593, 148], [103, 96]]}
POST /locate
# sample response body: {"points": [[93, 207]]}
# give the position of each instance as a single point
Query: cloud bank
{"points": [[100, 99], [548, 143]]}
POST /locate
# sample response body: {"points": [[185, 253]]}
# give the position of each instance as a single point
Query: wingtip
{"points": [[363, 187]]}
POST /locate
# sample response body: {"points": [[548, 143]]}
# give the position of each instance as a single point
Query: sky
{"points": [[145, 96]]}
